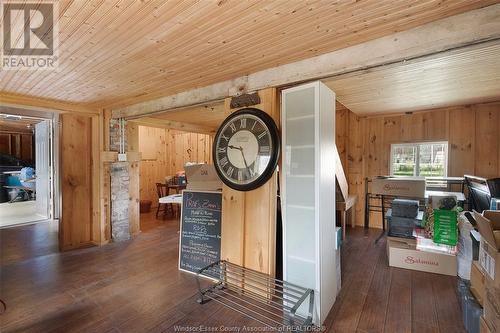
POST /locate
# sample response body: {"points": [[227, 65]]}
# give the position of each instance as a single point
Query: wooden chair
{"points": [[162, 191], [174, 188]]}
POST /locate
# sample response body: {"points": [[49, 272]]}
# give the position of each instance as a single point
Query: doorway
{"points": [[26, 169], [168, 142]]}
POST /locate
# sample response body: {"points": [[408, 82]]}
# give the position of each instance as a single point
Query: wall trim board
{"points": [[43, 104], [96, 147], [175, 125], [438, 36]]}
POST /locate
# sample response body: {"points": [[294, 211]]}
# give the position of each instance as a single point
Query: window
{"points": [[427, 159]]}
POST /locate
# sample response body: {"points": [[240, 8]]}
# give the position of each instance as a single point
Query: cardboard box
{"points": [[489, 259], [489, 250], [483, 326], [202, 177], [407, 187], [403, 254], [477, 282]]}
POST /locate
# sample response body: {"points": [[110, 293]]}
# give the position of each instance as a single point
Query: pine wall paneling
{"points": [[472, 133], [78, 223], [17, 143], [164, 152], [249, 218]]}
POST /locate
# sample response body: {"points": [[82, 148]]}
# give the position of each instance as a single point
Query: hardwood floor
{"points": [[27, 241], [134, 286], [378, 298]]}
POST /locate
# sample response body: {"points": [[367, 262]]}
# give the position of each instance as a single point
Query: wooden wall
{"points": [[79, 225], [341, 132], [17, 143], [472, 133], [164, 152], [249, 218]]}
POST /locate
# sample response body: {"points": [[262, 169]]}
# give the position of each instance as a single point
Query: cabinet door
{"points": [[299, 183], [308, 199]]}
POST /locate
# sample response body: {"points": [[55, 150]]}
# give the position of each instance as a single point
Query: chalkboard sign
{"points": [[200, 230]]}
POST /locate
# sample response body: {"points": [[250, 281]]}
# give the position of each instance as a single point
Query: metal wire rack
{"points": [[269, 301]]}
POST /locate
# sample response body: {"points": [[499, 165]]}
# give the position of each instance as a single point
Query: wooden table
{"points": [[343, 207], [171, 188]]}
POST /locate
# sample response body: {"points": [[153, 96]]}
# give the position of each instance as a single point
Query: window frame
{"points": [[417, 146]]}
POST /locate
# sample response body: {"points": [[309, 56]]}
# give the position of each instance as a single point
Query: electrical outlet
{"points": [[122, 157]]}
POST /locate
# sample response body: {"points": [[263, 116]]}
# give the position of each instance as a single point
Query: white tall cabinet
{"points": [[308, 193]]}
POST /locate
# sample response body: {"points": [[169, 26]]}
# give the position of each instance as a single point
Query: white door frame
{"points": [[54, 181]]}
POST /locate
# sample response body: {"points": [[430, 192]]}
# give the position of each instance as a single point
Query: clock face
{"points": [[246, 149]]}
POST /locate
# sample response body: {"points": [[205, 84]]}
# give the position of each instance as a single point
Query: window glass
{"points": [[419, 159], [432, 162], [404, 160]]}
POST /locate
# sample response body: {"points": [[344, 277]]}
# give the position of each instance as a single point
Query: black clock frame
{"points": [[275, 152]]}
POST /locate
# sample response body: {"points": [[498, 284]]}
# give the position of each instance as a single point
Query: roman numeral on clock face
{"points": [[261, 135], [233, 127], [264, 149], [223, 162], [254, 123], [229, 171], [224, 137], [221, 150], [240, 175], [243, 123]]}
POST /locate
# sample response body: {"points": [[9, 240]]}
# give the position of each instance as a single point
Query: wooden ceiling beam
{"points": [[43, 104], [175, 125], [449, 33]]}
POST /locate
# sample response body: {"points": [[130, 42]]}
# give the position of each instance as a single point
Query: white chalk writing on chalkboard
{"points": [[200, 230]]}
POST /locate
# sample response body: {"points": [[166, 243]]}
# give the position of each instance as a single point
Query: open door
{"points": [[42, 163]]}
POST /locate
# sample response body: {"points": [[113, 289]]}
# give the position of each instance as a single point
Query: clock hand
{"points": [[244, 160], [233, 147]]}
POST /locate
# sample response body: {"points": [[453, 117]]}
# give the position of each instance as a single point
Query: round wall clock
{"points": [[246, 149]]}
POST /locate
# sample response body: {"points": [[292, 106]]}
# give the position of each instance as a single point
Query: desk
{"points": [[343, 207], [385, 202]]}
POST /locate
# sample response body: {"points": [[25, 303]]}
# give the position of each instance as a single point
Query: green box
{"points": [[445, 227]]}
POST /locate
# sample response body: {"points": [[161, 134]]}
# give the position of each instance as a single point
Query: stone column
{"points": [[119, 188]]}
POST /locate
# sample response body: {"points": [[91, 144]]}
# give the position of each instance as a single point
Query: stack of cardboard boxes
{"points": [[485, 273], [408, 246], [405, 248]]}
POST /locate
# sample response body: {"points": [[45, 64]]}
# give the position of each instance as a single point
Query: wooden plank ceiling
{"points": [[120, 52], [456, 78]]}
